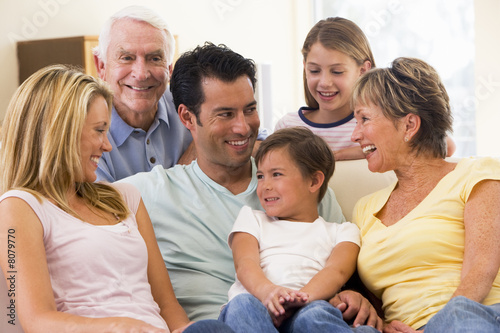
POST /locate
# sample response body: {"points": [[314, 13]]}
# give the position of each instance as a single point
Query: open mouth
{"points": [[270, 199], [369, 149], [327, 94], [238, 142], [139, 88], [95, 160]]}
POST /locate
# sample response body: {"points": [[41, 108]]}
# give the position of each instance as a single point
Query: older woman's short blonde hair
{"points": [[410, 85], [41, 138]]}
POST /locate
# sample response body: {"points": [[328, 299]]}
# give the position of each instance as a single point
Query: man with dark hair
{"points": [[135, 56], [193, 207]]}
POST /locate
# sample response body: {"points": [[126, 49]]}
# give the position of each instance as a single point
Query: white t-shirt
{"points": [[291, 253]]}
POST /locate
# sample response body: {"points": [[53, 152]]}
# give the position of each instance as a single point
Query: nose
{"points": [[240, 125], [106, 145], [356, 134], [325, 79], [140, 69], [264, 184]]}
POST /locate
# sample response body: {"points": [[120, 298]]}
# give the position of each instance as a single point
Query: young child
{"points": [[336, 52], [289, 260]]}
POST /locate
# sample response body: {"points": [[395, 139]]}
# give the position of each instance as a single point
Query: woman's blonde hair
{"points": [[41, 137], [410, 85], [340, 34]]}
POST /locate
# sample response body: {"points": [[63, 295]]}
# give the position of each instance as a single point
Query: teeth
{"points": [[271, 199], [327, 94], [369, 148], [139, 88], [95, 160], [238, 143]]}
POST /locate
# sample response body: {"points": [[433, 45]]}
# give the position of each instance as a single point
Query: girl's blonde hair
{"points": [[41, 137], [340, 34]]}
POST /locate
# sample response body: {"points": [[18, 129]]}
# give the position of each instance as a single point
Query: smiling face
{"points": [[94, 140], [136, 68], [380, 138], [282, 189], [229, 124], [330, 76]]}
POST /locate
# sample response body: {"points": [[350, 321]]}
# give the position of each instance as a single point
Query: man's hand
{"points": [[354, 306]]}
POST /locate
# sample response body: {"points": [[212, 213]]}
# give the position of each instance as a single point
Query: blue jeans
{"points": [[464, 315], [208, 326], [245, 313]]}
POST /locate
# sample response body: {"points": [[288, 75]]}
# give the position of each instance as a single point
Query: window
{"points": [[438, 32]]}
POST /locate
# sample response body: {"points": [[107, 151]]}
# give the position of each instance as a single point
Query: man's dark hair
{"points": [[207, 61]]}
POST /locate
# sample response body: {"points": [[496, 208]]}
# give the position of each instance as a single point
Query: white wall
{"points": [[266, 31], [487, 81]]}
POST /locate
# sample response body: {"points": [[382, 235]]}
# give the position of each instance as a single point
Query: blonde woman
{"points": [[86, 258], [430, 240]]}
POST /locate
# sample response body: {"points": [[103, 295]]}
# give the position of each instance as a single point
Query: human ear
{"points": [[412, 124], [187, 117], [100, 67], [365, 67], [317, 180]]}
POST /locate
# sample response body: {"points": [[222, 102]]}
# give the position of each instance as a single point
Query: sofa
{"points": [[353, 180]]}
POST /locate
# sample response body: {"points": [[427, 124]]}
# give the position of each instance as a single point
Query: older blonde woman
{"points": [[84, 254], [430, 243]]}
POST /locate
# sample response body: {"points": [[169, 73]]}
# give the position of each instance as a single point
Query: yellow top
{"points": [[414, 265]]}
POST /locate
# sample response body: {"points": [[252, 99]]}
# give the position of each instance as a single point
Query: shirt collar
{"points": [[120, 130]]}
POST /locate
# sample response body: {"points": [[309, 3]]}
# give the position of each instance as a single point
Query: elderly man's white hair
{"points": [[138, 13]]}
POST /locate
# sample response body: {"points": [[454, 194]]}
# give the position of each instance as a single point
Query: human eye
{"points": [[225, 114], [337, 72], [156, 59], [260, 176], [101, 130], [126, 58], [277, 174], [251, 110]]}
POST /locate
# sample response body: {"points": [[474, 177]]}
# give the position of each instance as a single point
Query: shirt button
{"points": [[147, 141], [152, 160]]}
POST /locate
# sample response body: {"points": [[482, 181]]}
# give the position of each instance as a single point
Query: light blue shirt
{"points": [[135, 150], [192, 217]]}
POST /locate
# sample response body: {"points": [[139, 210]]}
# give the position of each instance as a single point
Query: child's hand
{"points": [[281, 300], [277, 296]]}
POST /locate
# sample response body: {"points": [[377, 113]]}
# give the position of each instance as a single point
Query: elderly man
{"points": [[135, 56], [193, 207]]}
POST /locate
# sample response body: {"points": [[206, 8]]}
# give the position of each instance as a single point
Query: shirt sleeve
{"points": [[486, 168], [245, 222], [348, 232], [130, 194]]}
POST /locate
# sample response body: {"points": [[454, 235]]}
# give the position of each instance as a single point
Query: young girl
{"points": [[336, 52], [288, 260]]}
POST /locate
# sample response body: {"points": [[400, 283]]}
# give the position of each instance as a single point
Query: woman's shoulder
{"points": [[479, 165], [29, 196]]}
